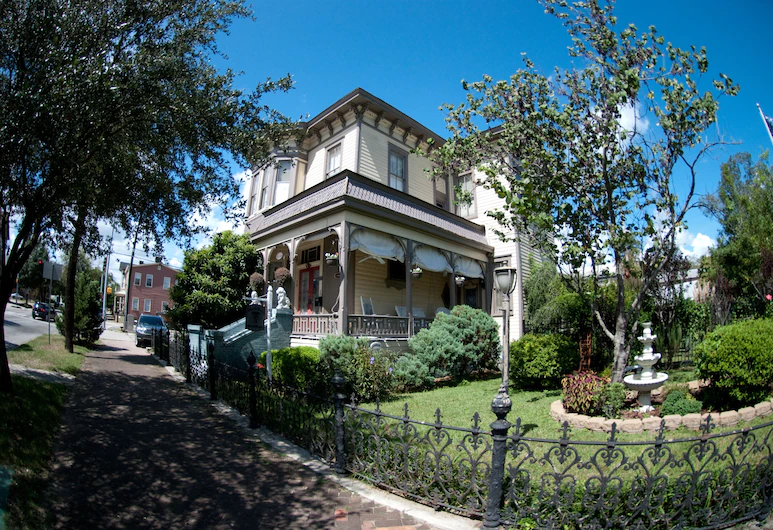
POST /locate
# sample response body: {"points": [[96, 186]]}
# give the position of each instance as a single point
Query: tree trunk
{"points": [[6, 385], [621, 349], [69, 293]]}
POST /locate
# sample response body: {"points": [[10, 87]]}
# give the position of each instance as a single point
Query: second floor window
{"points": [[333, 160], [148, 280], [167, 282], [282, 184], [137, 278], [467, 199], [398, 170], [276, 183], [147, 305], [135, 304]]}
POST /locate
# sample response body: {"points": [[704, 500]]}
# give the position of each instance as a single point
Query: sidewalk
{"points": [[141, 450]]}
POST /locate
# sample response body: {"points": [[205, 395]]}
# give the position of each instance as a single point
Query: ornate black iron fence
{"points": [[714, 480]]}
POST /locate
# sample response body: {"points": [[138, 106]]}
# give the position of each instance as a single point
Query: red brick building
{"points": [[148, 291]]}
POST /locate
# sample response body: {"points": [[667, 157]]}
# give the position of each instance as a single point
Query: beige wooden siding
{"points": [[373, 155], [318, 156], [374, 162], [370, 282]]}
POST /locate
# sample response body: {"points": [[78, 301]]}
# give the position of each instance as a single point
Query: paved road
{"points": [[20, 327]]}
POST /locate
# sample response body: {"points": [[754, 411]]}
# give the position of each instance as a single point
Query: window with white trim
{"points": [[466, 206], [282, 182], [164, 306], [398, 168], [147, 305], [135, 304], [333, 160], [137, 278], [148, 280], [167, 282]]}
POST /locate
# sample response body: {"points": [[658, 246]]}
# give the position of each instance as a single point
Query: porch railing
{"points": [[315, 325], [357, 325]]}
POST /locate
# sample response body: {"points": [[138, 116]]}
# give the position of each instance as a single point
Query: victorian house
{"points": [[374, 246]]}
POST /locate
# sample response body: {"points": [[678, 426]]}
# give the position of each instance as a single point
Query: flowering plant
{"points": [[331, 255], [416, 270], [460, 280]]}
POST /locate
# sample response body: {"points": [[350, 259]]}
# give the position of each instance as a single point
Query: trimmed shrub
{"points": [[540, 361], [582, 391], [680, 402], [612, 400], [368, 373], [294, 367], [411, 373], [738, 361], [457, 344]]}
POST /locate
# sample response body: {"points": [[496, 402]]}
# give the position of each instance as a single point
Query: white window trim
{"points": [[135, 303], [472, 208], [404, 155], [328, 172], [149, 277], [137, 278], [167, 283], [147, 305]]}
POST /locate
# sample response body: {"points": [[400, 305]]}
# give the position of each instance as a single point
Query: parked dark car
{"points": [[43, 311], [146, 325]]}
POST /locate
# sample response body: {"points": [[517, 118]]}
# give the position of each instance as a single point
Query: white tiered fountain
{"points": [[647, 380]]}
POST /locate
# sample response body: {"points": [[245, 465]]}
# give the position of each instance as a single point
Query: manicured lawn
{"points": [[39, 354], [458, 405], [29, 423]]}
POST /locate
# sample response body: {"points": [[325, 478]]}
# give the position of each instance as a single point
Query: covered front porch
{"points": [[367, 260]]}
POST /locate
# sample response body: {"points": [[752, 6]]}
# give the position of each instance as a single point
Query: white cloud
{"points": [[694, 245], [631, 119]]}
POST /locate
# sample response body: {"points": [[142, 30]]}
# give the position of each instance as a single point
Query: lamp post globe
{"points": [[505, 279]]}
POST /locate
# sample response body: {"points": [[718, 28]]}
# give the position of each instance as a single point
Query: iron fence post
{"points": [[166, 349], [500, 406], [340, 438], [211, 370], [187, 348], [253, 398]]}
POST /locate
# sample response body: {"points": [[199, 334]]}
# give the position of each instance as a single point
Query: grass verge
{"points": [[39, 354], [29, 423]]}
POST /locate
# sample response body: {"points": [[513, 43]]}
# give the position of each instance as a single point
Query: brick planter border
{"points": [[674, 421]]}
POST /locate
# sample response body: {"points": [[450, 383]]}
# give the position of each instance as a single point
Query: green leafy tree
{"points": [[114, 109], [31, 274], [743, 206], [571, 170], [210, 289], [87, 324]]}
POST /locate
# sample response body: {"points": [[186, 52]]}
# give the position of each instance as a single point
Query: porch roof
{"points": [[352, 192]]}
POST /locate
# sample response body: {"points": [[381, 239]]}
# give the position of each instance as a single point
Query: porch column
{"points": [[343, 287], [409, 285], [292, 260], [452, 282]]}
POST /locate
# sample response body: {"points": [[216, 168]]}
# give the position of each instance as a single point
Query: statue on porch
{"points": [[282, 302]]}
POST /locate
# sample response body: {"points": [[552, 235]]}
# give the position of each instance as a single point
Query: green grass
{"points": [[458, 404], [39, 354], [29, 423]]}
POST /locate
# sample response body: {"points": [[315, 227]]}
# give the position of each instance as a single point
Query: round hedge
{"points": [[738, 361], [540, 361]]}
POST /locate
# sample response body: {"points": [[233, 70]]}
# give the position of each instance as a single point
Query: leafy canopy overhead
{"points": [[587, 186]]}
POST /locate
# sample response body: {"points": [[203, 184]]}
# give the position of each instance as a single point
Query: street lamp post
{"points": [[500, 405], [505, 284]]}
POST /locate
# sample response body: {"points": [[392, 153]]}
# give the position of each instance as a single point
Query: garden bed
{"points": [[652, 423]]}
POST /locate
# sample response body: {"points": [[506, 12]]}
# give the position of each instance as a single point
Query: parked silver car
{"points": [[146, 325]]}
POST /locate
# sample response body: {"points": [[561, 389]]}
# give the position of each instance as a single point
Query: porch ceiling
{"points": [[351, 192]]}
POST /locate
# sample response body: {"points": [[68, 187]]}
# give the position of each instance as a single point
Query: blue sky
{"points": [[413, 54]]}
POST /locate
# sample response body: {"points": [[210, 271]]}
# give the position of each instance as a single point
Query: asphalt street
{"points": [[20, 327]]}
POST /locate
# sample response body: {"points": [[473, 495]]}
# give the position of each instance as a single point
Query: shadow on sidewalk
{"points": [[138, 450]]}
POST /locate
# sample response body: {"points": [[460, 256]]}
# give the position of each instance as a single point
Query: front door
{"points": [[310, 291]]}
